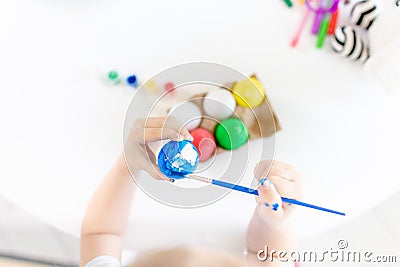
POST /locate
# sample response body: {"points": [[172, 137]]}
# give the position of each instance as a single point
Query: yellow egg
{"points": [[249, 93]]}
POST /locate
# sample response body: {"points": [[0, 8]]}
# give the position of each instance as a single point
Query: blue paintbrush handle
{"points": [[235, 187], [284, 199], [296, 202]]}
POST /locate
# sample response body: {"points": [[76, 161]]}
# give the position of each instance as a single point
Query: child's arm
{"points": [[108, 211], [270, 225], [107, 215]]}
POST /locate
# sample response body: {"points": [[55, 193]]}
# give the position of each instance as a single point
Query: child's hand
{"points": [[277, 179], [138, 155]]}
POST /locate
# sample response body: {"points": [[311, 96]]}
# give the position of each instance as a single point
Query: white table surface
{"points": [[62, 125]]}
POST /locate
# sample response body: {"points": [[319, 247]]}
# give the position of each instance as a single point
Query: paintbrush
{"points": [[255, 192]]}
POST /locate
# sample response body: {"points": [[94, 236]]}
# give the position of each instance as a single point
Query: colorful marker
{"points": [[300, 29], [288, 3], [333, 22], [322, 32]]}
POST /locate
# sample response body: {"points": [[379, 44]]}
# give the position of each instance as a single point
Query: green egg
{"points": [[231, 133]]}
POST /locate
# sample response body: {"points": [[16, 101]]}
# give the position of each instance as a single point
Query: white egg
{"points": [[219, 104], [188, 115]]}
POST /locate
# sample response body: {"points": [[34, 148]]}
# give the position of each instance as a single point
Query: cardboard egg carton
{"points": [[260, 121]]}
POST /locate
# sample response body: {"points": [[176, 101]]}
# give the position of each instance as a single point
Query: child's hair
{"points": [[187, 257]]}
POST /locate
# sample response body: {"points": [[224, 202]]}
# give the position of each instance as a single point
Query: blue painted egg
{"points": [[178, 159]]}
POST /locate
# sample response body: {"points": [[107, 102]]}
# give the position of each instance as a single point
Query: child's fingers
{"points": [[282, 172], [286, 188], [264, 167], [161, 122], [156, 134], [166, 123], [269, 199], [155, 172], [186, 135], [173, 123], [288, 174], [261, 169], [154, 122], [267, 168], [281, 164], [149, 165]]}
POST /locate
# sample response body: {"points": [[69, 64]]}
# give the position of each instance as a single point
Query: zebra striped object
{"points": [[349, 43], [364, 13]]}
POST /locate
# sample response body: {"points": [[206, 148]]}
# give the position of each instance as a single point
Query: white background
{"points": [[62, 125]]}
